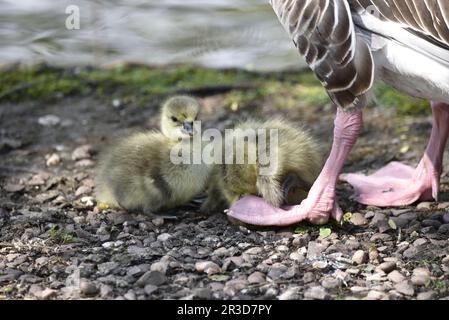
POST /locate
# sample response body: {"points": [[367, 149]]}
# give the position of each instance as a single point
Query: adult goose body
{"points": [[349, 44]]}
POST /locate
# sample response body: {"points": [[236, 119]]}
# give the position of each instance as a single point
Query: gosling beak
{"points": [[187, 128]]}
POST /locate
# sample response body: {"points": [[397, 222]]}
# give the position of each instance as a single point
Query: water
{"points": [[214, 33]]}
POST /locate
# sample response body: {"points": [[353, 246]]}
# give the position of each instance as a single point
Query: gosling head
{"points": [[178, 115]]}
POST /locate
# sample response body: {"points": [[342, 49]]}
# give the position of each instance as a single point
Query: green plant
{"points": [[59, 236]]}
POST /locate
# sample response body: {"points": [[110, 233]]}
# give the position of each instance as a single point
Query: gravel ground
{"points": [[55, 244]]}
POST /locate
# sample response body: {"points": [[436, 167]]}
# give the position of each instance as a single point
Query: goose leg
{"points": [[321, 201], [398, 184]]}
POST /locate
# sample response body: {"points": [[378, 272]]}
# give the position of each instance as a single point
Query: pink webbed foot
{"points": [[396, 184], [256, 211], [321, 202]]}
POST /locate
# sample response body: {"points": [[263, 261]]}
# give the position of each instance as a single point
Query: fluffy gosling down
{"points": [[297, 165], [137, 173]]}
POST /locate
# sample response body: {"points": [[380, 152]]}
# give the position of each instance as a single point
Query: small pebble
{"points": [[428, 295], [49, 120], [446, 217], [359, 257], [149, 289], [375, 295], [88, 288], [316, 293], [444, 229], [53, 160], [358, 219], [82, 152], [421, 277], [256, 277], [405, 287], [208, 267], [396, 277], [290, 294], [387, 267], [154, 278], [424, 206], [163, 237], [158, 222]]}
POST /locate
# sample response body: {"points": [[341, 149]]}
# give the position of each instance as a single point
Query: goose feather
{"points": [[349, 43]]}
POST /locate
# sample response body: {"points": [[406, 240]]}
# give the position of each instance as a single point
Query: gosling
{"points": [[299, 161], [137, 174]]}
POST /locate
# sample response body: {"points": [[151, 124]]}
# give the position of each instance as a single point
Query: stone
{"points": [[88, 288], [314, 250], [85, 163], [221, 252], [232, 287], [445, 261], [82, 152], [88, 201], [419, 242], [83, 190], [256, 277], [410, 252], [444, 229], [43, 294], [202, 293], [398, 212], [396, 277], [357, 290], [443, 206], [401, 221], [446, 217], [208, 267], [420, 277], [9, 144], [13, 187], [163, 237], [53, 160], [387, 267], [330, 283], [380, 237], [427, 295], [149, 289], [276, 271], [428, 230], [359, 257], [320, 265], [154, 278], [424, 206], [38, 179], [160, 266], [308, 277], [290, 294], [405, 288], [375, 295], [301, 240], [107, 267], [358, 219], [254, 251], [431, 223], [282, 249], [49, 120], [316, 293], [297, 257]]}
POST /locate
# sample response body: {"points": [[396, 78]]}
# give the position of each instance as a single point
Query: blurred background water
{"points": [[214, 33]]}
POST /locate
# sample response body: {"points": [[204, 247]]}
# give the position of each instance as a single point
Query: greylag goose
{"points": [[349, 44]]}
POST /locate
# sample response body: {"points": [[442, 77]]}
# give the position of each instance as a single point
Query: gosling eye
{"points": [[174, 119]]}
